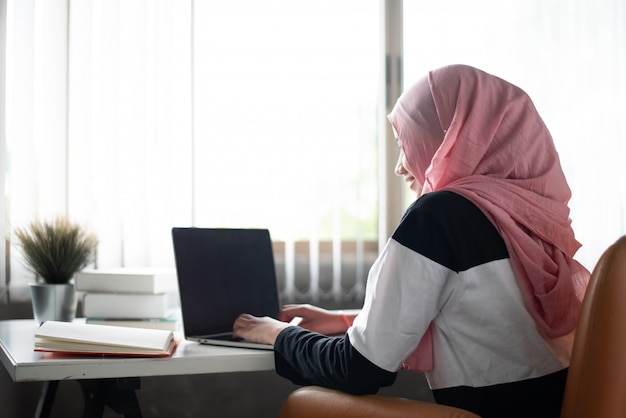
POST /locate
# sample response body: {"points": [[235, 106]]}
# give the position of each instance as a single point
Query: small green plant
{"points": [[57, 249]]}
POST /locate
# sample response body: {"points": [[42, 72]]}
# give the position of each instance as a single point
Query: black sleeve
{"points": [[309, 358]]}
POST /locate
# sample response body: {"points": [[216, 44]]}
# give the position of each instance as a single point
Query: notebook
{"points": [[221, 274]]}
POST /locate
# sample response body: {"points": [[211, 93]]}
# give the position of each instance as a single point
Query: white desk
{"points": [[25, 365]]}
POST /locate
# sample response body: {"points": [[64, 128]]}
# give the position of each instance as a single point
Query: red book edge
{"points": [[175, 342]]}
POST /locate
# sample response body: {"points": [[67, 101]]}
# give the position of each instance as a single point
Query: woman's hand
{"points": [[317, 319], [262, 330], [265, 329]]}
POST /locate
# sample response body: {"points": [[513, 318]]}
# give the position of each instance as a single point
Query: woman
{"points": [[477, 286]]}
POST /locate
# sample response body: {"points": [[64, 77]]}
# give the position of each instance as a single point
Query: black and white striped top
{"points": [[447, 265]]}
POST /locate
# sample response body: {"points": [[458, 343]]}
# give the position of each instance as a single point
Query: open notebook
{"points": [[223, 273], [79, 338]]}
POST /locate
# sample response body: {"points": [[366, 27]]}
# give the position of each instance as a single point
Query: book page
{"points": [[142, 339]]}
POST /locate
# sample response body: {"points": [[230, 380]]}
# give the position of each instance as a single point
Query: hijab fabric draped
{"points": [[474, 134]]}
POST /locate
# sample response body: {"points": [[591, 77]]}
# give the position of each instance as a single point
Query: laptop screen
{"points": [[221, 274]]}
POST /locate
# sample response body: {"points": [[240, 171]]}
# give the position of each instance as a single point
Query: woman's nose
{"points": [[400, 170]]}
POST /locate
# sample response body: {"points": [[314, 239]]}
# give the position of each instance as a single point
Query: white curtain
{"points": [[34, 157], [129, 131], [98, 122], [4, 242]]}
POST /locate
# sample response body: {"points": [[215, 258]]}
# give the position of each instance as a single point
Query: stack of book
{"points": [[139, 297]]}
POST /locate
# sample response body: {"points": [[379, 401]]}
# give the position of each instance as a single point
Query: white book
{"points": [[127, 280], [152, 323], [129, 305], [77, 338]]}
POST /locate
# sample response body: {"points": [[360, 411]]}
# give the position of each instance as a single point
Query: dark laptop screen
{"points": [[221, 274]]}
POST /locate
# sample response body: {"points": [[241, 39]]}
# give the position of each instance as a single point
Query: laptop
{"points": [[223, 273]]}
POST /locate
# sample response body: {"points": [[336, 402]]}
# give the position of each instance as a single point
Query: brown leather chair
{"points": [[596, 383]]}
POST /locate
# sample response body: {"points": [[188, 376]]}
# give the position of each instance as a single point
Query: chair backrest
{"points": [[596, 383]]}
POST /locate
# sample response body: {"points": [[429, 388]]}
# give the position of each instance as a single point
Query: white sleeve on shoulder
{"points": [[403, 295]]}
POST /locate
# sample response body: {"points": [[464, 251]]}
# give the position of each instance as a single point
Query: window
{"points": [[569, 56], [206, 113], [285, 128], [137, 116]]}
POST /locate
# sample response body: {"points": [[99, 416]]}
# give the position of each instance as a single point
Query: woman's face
{"points": [[402, 169], [418, 132]]}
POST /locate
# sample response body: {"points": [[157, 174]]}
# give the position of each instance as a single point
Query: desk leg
{"points": [[95, 397], [119, 394], [122, 397], [46, 399]]}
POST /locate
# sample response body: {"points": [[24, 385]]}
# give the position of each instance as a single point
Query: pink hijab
{"points": [[474, 134]]}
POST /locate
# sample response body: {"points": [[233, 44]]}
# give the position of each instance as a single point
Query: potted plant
{"points": [[55, 250]]}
